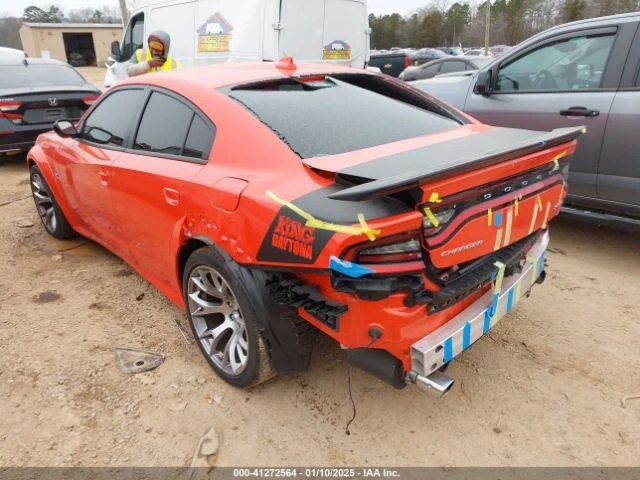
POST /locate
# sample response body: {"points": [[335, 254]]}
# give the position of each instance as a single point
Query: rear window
{"points": [[15, 76], [328, 116]]}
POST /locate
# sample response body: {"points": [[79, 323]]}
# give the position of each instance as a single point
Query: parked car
{"points": [[498, 50], [34, 93], [444, 65], [581, 72], [462, 73], [450, 50], [475, 52], [391, 63], [6, 52], [425, 55], [327, 219]]}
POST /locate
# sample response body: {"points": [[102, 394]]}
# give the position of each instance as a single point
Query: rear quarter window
{"points": [[336, 115]]}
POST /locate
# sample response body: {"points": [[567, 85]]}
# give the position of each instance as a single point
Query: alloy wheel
{"points": [[44, 203], [217, 319]]}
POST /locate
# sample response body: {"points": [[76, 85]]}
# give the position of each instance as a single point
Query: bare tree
{"points": [[9, 32], [511, 20]]}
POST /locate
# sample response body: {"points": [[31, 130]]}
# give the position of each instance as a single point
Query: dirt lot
{"points": [[94, 74], [544, 388]]}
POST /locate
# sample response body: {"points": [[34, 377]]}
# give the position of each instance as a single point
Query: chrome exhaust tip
{"points": [[437, 384]]}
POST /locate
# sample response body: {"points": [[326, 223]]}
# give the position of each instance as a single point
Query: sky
{"points": [[16, 7]]}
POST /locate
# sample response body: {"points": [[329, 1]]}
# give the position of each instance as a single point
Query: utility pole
{"points": [[486, 28], [124, 12]]}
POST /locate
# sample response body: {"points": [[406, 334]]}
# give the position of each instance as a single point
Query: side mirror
{"points": [[115, 50], [65, 129], [483, 83]]}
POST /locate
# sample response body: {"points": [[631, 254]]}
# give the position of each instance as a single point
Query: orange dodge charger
{"points": [[274, 200]]}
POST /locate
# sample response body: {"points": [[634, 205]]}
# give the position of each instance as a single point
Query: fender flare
{"points": [[275, 322], [38, 158]]}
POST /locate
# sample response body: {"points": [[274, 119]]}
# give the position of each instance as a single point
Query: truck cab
{"points": [[225, 31]]}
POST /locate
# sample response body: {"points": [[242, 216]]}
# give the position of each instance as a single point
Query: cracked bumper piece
{"points": [[442, 345]]}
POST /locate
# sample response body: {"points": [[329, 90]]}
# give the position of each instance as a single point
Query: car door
{"points": [[152, 179], [132, 40], [619, 167], [84, 164], [567, 79]]}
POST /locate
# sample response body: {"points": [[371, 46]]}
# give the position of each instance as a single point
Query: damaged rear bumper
{"points": [[442, 345]]}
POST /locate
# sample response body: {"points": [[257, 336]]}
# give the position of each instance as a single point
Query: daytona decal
{"points": [[293, 237], [289, 240]]}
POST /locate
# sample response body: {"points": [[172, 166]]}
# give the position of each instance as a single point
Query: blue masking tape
{"points": [[487, 320], [510, 300], [347, 268], [497, 220], [448, 350], [466, 336]]}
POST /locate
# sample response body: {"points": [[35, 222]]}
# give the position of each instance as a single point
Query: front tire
{"points": [[48, 209], [223, 319]]}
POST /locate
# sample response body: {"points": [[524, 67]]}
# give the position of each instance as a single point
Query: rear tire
{"points": [[48, 209], [223, 319]]}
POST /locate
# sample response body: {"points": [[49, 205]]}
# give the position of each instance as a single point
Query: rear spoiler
{"points": [[461, 164]]}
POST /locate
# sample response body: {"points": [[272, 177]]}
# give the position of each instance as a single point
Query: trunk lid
{"points": [[481, 190], [45, 105]]}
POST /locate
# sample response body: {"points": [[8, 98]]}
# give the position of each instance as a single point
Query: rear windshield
{"points": [[328, 116], [14, 76]]}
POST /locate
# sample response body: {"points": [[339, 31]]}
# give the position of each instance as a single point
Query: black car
{"points": [[444, 65], [425, 55], [34, 93]]}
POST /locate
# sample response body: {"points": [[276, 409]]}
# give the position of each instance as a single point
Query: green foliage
{"points": [[441, 23], [432, 31], [573, 10]]}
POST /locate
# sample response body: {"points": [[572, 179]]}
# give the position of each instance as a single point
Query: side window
{"points": [[432, 68], [164, 124], [112, 119], [569, 64], [133, 38], [452, 66], [199, 139]]}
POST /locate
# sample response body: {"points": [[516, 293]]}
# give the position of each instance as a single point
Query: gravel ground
{"points": [[94, 74], [545, 387]]}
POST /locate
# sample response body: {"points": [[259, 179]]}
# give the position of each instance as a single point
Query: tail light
{"points": [[399, 249], [438, 215], [407, 61], [89, 100], [8, 109]]}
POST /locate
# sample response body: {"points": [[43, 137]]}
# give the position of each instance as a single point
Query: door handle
{"points": [[579, 112], [171, 196], [104, 178]]}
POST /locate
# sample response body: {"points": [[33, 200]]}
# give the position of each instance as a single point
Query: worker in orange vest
{"points": [[155, 58]]}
